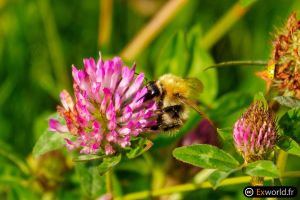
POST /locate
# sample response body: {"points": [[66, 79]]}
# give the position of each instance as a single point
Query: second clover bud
{"points": [[255, 133]]}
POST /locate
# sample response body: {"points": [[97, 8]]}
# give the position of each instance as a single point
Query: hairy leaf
{"points": [[138, 147], [108, 163], [287, 101], [206, 156], [49, 141], [288, 145], [290, 124], [92, 183], [262, 168]]}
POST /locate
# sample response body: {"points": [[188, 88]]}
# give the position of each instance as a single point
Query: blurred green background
{"points": [[41, 39]]}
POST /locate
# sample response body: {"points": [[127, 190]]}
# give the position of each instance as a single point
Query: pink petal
{"points": [[112, 124], [95, 147], [127, 76], [70, 145], [117, 101], [80, 78], [124, 142], [108, 67], [103, 105], [106, 196], [124, 131], [137, 102], [112, 136], [109, 149], [135, 86], [100, 73], [85, 150], [90, 67], [116, 76], [127, 113], [55, 126], [66, 101], [110, 113]]}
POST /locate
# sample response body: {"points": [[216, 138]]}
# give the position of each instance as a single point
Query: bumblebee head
{"points": [[153, 91]]}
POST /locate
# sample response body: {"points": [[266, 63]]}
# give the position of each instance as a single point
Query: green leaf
{"points": [[92, 183], [218, 176], [138, 147], [49, 141], [290, 124], [262, 168], [246, 3], [206, 156], [173, 56], [225, 134], [288, 145], [203, 175], [287, 101], [108, 163], [200, 59], [226, 138]]}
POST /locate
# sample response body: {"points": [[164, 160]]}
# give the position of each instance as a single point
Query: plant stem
{"points": [[105, 22], [224, 24], [108, 182], [192, 186], [281, 161], [291, 174], [153, 28], [239, 62]]}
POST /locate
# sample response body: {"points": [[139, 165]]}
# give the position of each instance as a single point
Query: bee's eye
{"points": [[152, 92]]}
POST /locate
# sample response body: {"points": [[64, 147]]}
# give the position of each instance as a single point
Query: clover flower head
{"points": [[255, 133], [108, 110]]}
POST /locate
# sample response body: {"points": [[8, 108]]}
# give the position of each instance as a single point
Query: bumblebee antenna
{"points": [[235, 63]]}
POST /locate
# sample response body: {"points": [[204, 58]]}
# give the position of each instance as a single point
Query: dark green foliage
{"points": [[290, 124]]}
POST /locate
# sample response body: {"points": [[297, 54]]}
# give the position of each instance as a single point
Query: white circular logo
{"points": [[248, 192]]}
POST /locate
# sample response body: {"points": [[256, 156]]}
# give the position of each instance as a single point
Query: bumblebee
{"points": [[174, 96]]}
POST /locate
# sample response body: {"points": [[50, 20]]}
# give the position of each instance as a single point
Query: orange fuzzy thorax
{"points": [[174, 86]]}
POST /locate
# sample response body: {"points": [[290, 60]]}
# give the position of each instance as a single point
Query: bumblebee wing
{"points": [[193, 105], [195, 85]]}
